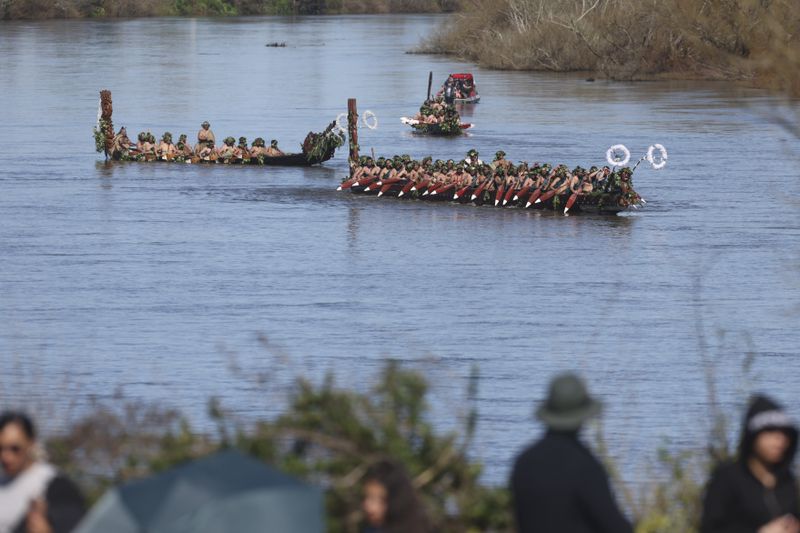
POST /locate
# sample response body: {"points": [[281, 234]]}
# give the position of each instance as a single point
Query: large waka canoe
{"points": [[599, 202], [316, 148]]}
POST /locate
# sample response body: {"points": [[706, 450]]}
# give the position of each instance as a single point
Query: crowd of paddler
{"points": [[437, 112], [501, 182], [439, 116], [147, 148]]}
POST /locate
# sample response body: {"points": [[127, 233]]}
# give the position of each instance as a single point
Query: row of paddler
{"points": [[501, 182], [148, 149]]}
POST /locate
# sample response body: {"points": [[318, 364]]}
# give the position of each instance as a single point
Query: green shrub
{"points": [[328, 435]]}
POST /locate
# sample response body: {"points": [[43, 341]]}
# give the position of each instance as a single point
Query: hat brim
{"points": [[572, 420]]}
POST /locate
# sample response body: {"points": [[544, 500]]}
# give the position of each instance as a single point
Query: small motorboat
{"points": [[459, 88]]}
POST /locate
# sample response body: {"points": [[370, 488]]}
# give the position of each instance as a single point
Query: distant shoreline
{"points": [[114, 9], [666, 43]]}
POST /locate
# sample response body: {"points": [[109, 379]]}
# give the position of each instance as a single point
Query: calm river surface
{"points": [[155, 280]]}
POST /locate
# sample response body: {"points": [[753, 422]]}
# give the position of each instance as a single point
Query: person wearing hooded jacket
{"points": [[758, 492], [557, 485]]}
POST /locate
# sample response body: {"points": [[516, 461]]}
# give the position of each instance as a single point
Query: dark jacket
{"points": [[65, 506], [558, 486], [735, 501]]}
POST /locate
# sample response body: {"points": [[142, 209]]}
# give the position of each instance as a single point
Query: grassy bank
{"points": [[755, 41], [330, 435], [48, 9]]}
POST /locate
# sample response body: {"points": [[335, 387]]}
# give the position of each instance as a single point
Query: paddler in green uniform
{"points": [[472, 158], [500, 160], [227, 150], [184, 148], [149, 144], [241, 150], [258, 149], [590, 182], [612, 182], [205, 139], [625, 176], [574, 179], [562, 181], [273, 150], [121, 145], [140, 140], [380, 164], [359, 168], [165, 149]]}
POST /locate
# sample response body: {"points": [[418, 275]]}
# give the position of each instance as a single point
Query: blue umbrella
{"points": [[224, 492]]}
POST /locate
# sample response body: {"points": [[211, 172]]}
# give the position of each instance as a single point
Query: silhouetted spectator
{"points": [[557, 485], [758, 492], [34, 497], [390, 502]]}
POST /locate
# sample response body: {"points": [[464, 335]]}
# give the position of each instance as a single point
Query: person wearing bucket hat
{"points": [[557, 484], [758, 492], [205, 137]]}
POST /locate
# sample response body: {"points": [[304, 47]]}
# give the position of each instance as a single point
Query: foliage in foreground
{"points": [[328, 436], [757, 41]]}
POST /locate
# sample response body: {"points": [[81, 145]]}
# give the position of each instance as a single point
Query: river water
{"points": [[158, 282]]}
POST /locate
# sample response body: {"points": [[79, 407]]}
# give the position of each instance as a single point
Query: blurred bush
{"points": [[328, 436]]}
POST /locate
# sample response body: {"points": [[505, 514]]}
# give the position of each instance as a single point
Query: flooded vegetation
{"points": [[752, 41]]}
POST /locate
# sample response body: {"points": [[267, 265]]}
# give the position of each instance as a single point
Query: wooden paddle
{"points": [[510, 192], [387, 184], [461, 192], [443, 189], [499, 195], [523, 193], [534, 199], [363, 182], [408, 188], [573, 197], [431, 187], [546, 196], [347, 184], [422, 185], [477, 194]]}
